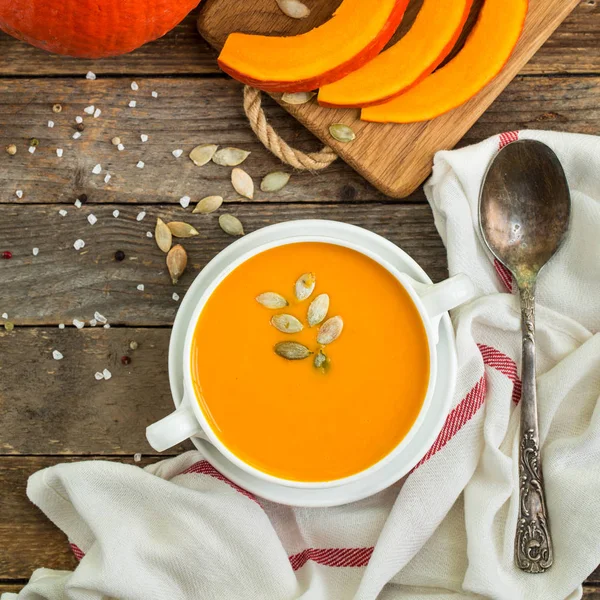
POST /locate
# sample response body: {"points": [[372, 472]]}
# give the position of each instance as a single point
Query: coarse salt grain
{"points": [[78, 119], [77, 203], [5, 315], [137, 457], [140, 287], [93, 323], [19, 193], [59, 152], [97, 113], [90, 75], [56, 355], [107, 326], [175, 296], [144, 137], [89, 110], [148, 234], [76, 135], [35, 251], [177, 153], [92, 219], [184, 201], [140, 164], [61, 325], [107, 177], [120, 147], [78, 244], [79, 324], [107, 374], [51, 124], [97, 169], [141, 215], [98, 375], [115, 213], [134, 86], [132, 104], [100, 318], [155, 94], [31, 149], [62, 212]]}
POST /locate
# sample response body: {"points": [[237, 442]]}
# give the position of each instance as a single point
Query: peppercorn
{"points": [[57, 108], [7, 254], [125, 360], [34, 142], [80, 127], [11, 149], [82, 198], [119, 255]]}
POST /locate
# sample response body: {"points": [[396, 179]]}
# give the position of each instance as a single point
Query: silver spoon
{"points": [[524, 212]]}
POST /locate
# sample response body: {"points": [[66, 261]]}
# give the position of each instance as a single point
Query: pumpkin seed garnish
{"points": [[292, 350], [297, 97], [230, 157], [182, 230], [208, 204], [176, 262], [305, 286], [231, 225], [242, 183], [317, 311], [341, 133], [294, 9], [286, 323], [321, 361], [272, 300], [275, 181], [330, 331], [163, 235], [202, 154]]}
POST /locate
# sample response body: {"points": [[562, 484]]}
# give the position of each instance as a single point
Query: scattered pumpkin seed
{"points": [[272, 300], [317, 311], [275, 181], [330, 331], [297, 97], [202, 154], [242, 183], [286, 323], [208, 204], [294, 8], [231, 225], [321, 361], [11, 149], [163, 236], [341, 133], [182, 230], [34, 142], [176, 262], [292, 350], [230, 157], [305, 285]]}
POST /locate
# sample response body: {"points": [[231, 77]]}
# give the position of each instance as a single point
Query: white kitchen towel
{"points": [[179, 530]]}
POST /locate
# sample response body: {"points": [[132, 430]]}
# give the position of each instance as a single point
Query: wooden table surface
{"points": [[55, 411]]}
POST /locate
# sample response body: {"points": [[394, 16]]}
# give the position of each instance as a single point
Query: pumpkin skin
{"points": [[91, 28]]}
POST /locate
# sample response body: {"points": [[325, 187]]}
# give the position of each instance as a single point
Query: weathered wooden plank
{"points": [[29, 539], [187, 112], [573, 48], [58, 407], [61, 284], [194, 111]]}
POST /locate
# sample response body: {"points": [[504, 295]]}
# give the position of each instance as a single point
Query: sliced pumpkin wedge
{"points": [[356, 32], [430, 39], [485, 52]]}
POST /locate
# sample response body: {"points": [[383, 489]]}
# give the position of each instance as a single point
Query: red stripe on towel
{"points": [[507, 137], [332, 557]]}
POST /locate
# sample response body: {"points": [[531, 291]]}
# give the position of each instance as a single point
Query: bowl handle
{"points": [[174, 428], [441, 297]]}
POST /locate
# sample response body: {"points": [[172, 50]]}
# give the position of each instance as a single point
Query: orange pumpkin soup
{"points": [[288, 418]]}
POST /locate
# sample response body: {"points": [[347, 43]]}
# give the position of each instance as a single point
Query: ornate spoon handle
{"points": [[533, 544]]}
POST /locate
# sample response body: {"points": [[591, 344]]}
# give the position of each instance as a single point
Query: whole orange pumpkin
{"points": [[91, 28]]}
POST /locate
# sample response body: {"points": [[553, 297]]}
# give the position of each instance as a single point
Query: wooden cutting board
{"points": [[394, 158]]}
